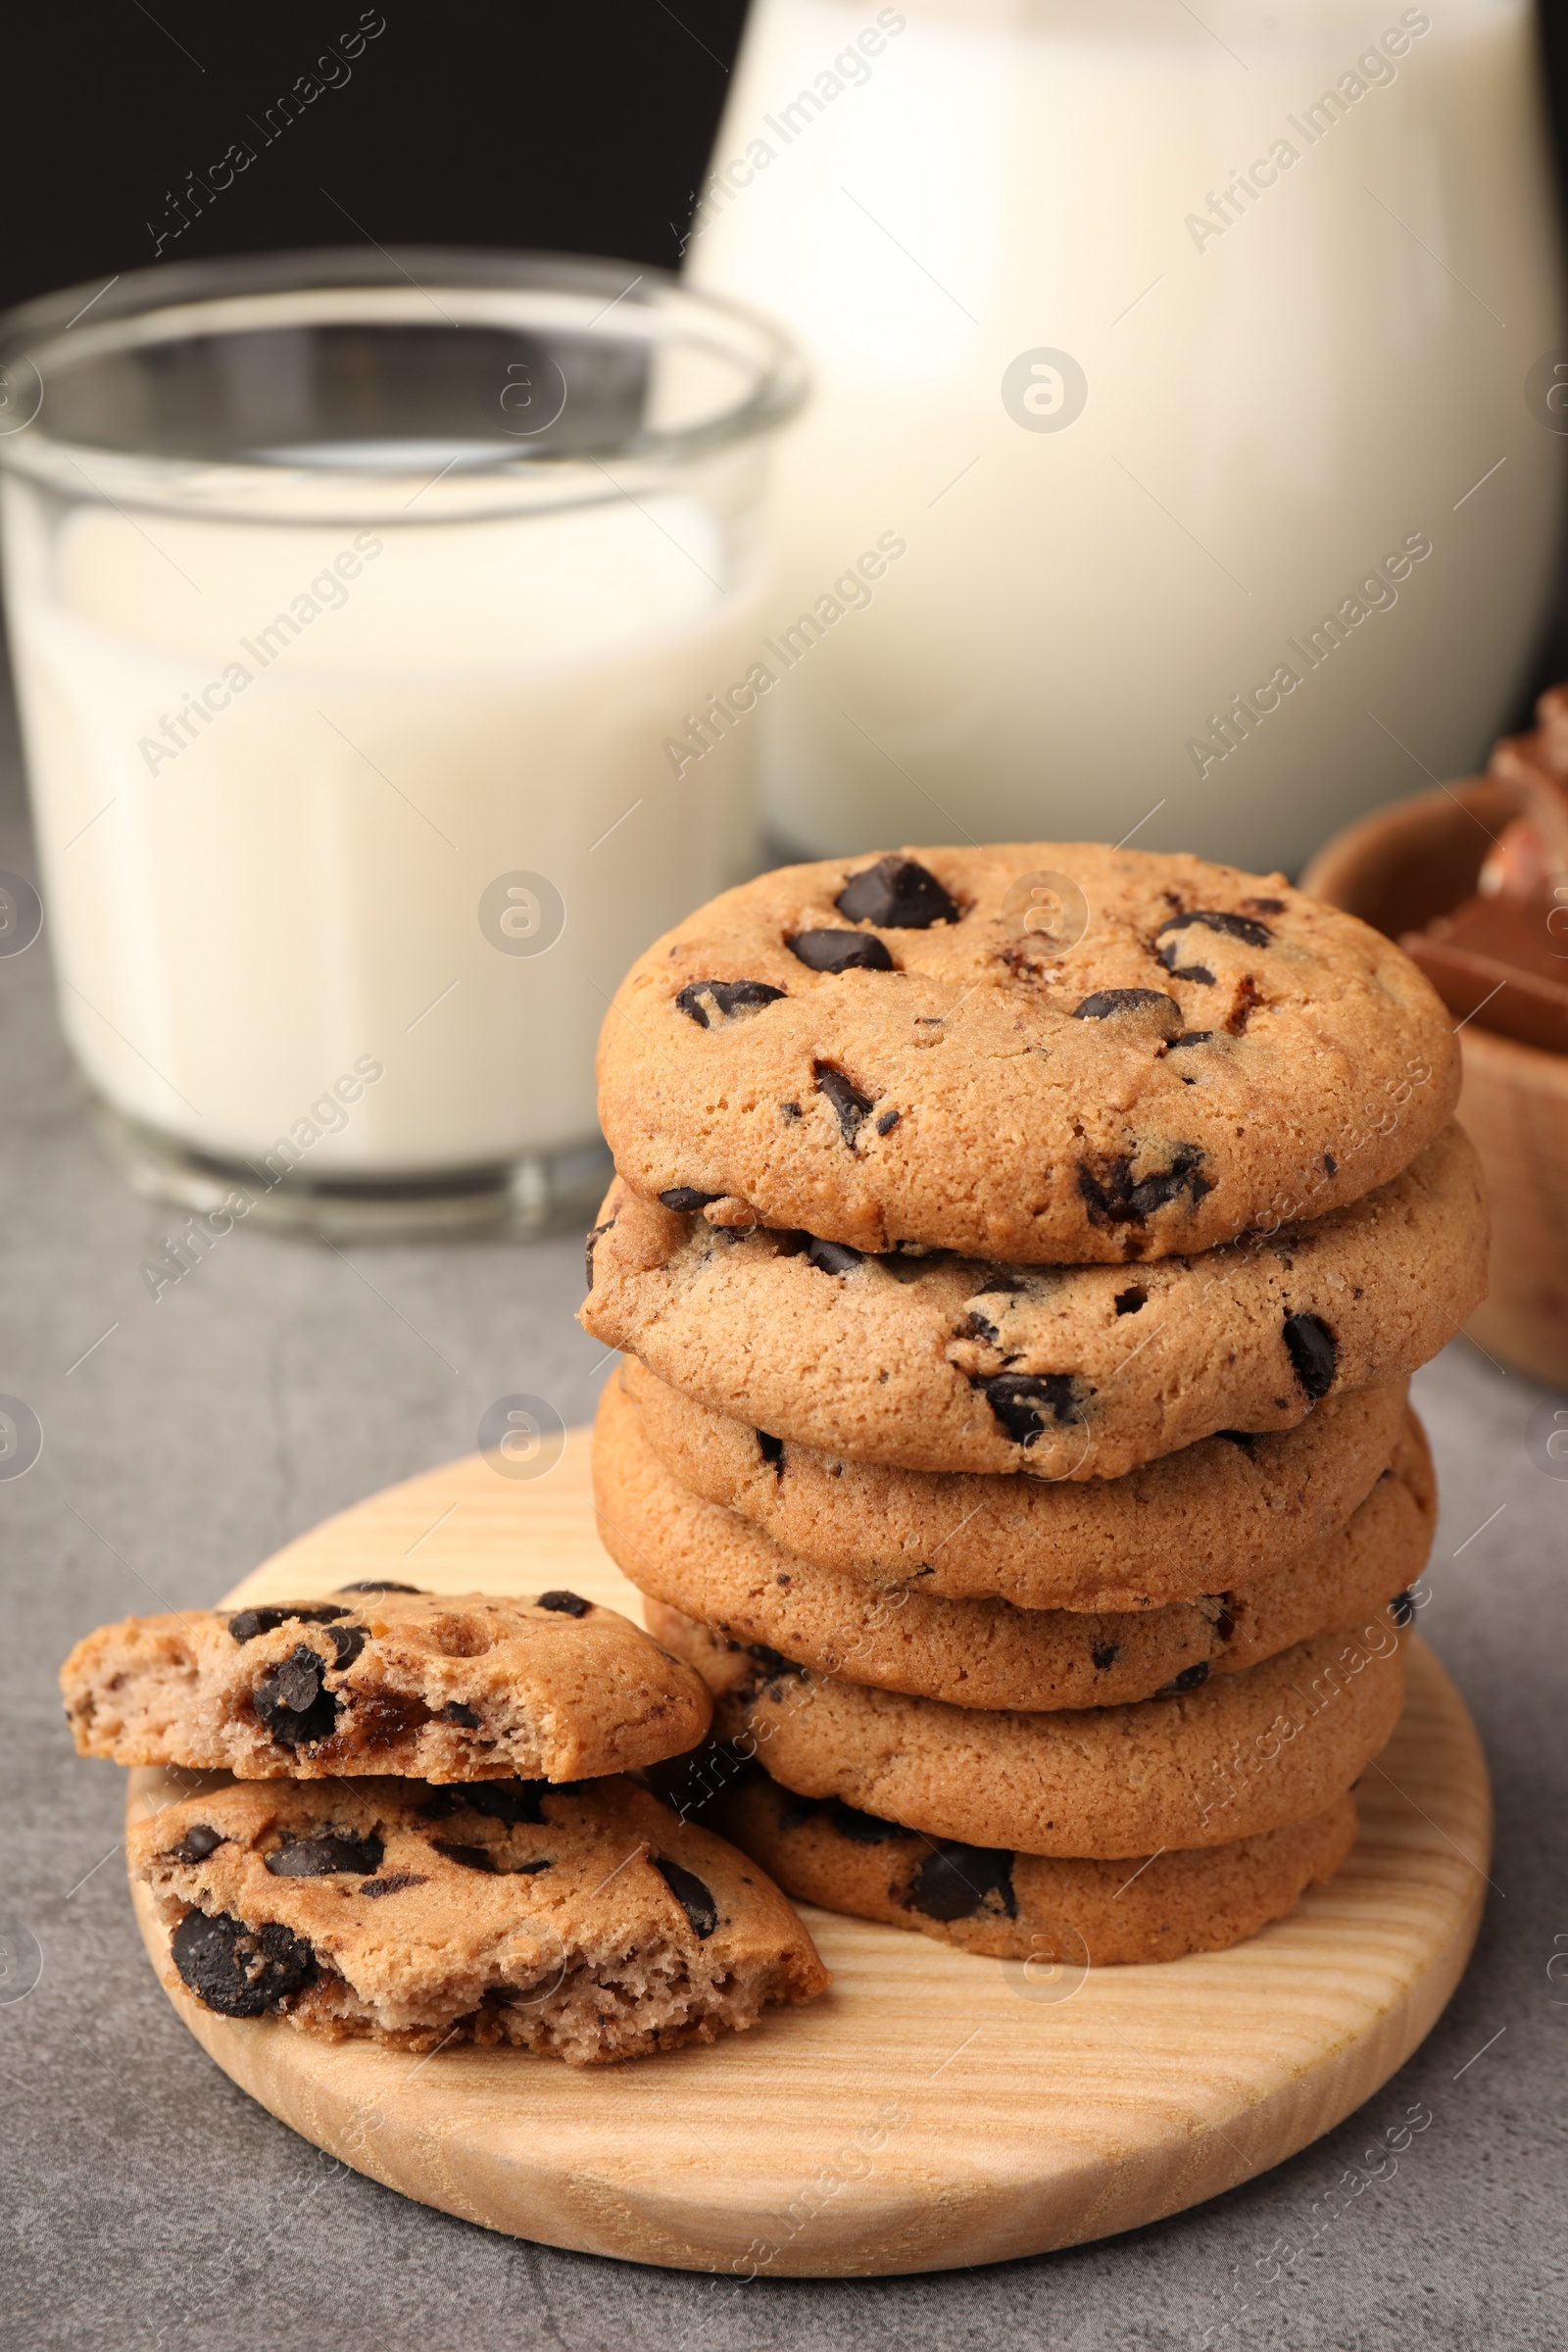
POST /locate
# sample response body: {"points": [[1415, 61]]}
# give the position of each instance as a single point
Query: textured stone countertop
{"points": [[153, 2205]]}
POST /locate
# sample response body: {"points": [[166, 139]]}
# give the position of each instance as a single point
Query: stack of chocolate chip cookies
{"points": [[1020, 1255], [406, 1817]]}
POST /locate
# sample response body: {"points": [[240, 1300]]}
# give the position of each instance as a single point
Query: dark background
{"points": [[581, 128]]}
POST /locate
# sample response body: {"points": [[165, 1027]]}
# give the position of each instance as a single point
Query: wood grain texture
{"points": [[934, 2109]]}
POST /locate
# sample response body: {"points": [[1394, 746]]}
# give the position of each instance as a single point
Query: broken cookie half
{"points": [[590, 1922], [441, 1687]]}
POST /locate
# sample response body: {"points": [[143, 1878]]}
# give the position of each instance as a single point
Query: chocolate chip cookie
{"points": [[716, 1567], [1198, 1521], [445, 1687], [942, 1363], [1246, 1753], [1055, 1914], [589, 1922], [1039, 1052]]}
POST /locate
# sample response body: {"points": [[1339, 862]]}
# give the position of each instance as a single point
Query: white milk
{"points": [[1276, 402], [292, 897]]}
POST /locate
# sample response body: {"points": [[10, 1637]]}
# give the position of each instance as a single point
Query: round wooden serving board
{"points": [[933, 2109]]}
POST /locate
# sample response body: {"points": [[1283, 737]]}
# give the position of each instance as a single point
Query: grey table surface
{"points": [[150, 2204]]}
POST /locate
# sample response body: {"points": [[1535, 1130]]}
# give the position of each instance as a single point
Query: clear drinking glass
{"points": [[357, 602]]}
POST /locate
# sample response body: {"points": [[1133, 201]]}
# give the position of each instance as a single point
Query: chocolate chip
{"points": [[686, 1196], [588, 1260], [888, 1122], [832, 1257], [566, 1605], [249, 1622], [291, 1702], [1106, 1003], [1021, 1401], [692, 1896], [1113, 1198], [1190, 1036], [729, 996], [840, 950], [347, 1640], [511, 1801], [393, 1883], [1401, 1608], [1106, 1653], [1233, 926], [955, 1880], [197, 1844], [531, 1870], [771, 1450], [467, 1857], [1265, 906], [1199, 972], [456, 1712], [1129, 1301], [845, 1096], [1191, 1677], [320, 1857], [1330, 1167], [976, 1326], [1313, 1352], [236, 1970], [898, 893], [790, 1110], [384, 1584]]}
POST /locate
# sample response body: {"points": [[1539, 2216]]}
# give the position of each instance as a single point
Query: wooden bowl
{"points": [[1396, 870]]}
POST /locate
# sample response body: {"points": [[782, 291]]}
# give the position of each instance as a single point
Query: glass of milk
{"points": [[1193, 353], [388, 634]]}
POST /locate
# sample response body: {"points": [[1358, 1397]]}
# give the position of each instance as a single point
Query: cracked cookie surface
{"points": [[446, 1687], [590, 1922], [894, 1051], [943, 1363]]}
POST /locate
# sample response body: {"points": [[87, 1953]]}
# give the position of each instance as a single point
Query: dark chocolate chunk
{"points": [[1106, 1653], [840, 950], [456, 1712], [1330, 1167], [320, 1857], [955, 1880], [1199, 972], [1190, 1036], [248, 1623], [832, 1257], [1191, 1677], [197, 1844], [729, 996], [291, 1702], [347, 1640], [566, 1605], [236, 1970], [467, 1857], [976, 1326], [686, 1196], [1313, 1352], [899, 893], [772, 1451], [1106, 1003], [1115, 1198], [384, 1584], [1401, 1608], [588, 1261], [692, 1896], [511, 1801], [888, 1122], [1233, 926], [531, 1870], [1022, 1402], [1130, 1300], [845, 1096], [393, 1883]]}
